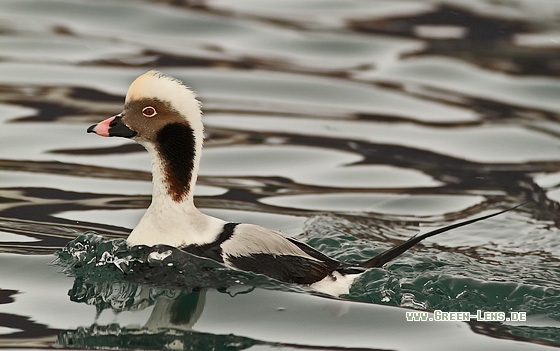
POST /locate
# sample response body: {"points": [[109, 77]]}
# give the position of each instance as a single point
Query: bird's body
{"points": [[164, 116]]}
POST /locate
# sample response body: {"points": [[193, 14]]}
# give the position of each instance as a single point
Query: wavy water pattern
{"points": [[353, 125]]}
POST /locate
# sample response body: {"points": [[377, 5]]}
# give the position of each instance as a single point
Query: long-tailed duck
{"points": [[164, 116]]}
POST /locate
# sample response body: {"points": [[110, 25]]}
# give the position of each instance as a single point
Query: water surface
{"points": [[353, 125]]}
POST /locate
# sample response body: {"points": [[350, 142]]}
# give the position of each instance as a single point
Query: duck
{"points": [[164, 116]]}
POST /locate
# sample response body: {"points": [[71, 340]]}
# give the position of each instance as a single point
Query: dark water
{"points": [[352, 124]]}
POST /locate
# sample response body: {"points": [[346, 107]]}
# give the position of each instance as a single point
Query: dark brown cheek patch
{"points": [[176, 145], [147, 128]]}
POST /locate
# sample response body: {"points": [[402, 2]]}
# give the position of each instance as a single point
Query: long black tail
{"points": [[396, 251]]}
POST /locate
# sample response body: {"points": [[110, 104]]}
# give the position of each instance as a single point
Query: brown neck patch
{"points": [[175, 143]]}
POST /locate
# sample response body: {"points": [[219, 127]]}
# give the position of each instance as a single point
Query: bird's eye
{"points": [[149, 111]]}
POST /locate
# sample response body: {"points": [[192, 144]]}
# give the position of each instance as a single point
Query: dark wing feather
{"points": [[285, 268], [316, 254], [334, 265]]}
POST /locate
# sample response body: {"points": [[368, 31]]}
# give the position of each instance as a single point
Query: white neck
{"points": [[171, 222]]}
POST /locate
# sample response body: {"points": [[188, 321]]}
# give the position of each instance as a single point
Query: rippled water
{"points": [[351, 124]]}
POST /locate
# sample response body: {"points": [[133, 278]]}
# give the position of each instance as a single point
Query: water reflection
{"points": [[169, 326]]}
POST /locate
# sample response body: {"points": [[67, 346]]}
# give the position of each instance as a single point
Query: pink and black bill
{"points": [[112, 126]]}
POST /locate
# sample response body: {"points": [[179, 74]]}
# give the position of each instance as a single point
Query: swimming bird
{"points": [[164, 116]]}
